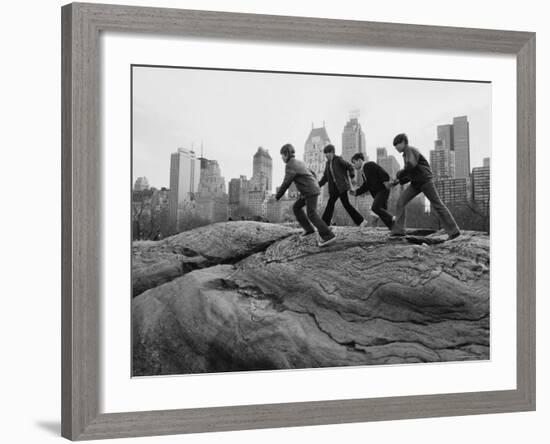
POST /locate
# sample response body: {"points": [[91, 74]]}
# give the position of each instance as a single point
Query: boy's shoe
{"points": [[306, 233], [364, 224], [329, 239], [453, 236]]}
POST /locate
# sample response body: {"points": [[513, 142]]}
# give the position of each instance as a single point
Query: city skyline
{"points": [[231, 114]]}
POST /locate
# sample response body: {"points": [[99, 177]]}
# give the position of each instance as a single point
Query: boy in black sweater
{"points": [[417, 171], [377, 181]]}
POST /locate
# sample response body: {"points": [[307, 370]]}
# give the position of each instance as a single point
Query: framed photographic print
{"points": [[259, 212]]}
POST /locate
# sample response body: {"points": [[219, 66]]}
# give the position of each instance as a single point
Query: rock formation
{"points": [[258, 296]]}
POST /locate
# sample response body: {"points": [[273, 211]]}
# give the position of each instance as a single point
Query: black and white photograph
{"points": [[286, 220]]}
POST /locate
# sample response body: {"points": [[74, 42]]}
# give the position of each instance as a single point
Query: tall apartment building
{"points": [[440, 161], [238, 197], [314, 157], [389, 163], [262, 171], [184, 180], [453, 192], [461, 146], [481, 186], [353, 139], [141, 184]]}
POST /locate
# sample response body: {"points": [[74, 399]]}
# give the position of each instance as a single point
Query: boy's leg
{"points": [[380, 205], [353, 213], [407, 195], [298, 209], [329, 209], [311, 208], [439, 207]]}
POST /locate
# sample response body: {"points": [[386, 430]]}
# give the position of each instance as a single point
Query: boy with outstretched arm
{"points": [[377, 181], [417, 171], [336, 175], [306, 183]]}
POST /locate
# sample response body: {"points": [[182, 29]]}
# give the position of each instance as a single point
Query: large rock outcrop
{"points": [[363, 300], [154, 263]]}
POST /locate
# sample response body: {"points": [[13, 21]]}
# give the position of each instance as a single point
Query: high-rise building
{"points": [[257, 200], [238, 197], [445, 135], [262, 171], [141, 184], [211, 182], [389, 163], [381, 153], [211, 197], [461, 147], [184, 180], [481, 185], [314, 157], [440, 161], [453, 192], [353, 138]]}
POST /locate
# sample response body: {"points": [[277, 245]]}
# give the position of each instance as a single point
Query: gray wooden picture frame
{"points": [[81, 175]]}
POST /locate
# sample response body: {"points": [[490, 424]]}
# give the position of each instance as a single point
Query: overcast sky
{"points": [[232, 113]]}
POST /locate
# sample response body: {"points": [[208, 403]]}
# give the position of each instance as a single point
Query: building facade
{"points": [[141, 184], [238, 198], [353, 139], [184, 180], [389, 163], [453, 192], [262, 171], [481, 186], [461, 145]]}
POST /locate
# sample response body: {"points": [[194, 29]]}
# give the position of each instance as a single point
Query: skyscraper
{"points": [[445, 134], [389, 163], [238, 197], [262, 171], [314, 157], [141, 184], [461, 145], [481, 185], [381, 153], [184, 180], [440, 161], [211, 182], [453, 192], [353, 138]]}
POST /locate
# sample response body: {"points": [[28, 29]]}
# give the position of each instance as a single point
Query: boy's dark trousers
{"points": [[380, 207], [329, 210], [312, 217]]}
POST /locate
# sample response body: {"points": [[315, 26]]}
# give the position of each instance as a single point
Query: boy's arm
{"points": [[411, 159], [402, 177], [324, 179], [348, 166], [287, 181]]}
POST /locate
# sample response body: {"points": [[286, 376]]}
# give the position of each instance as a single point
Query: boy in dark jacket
{"points": [[417, 171], [306, 183], [336, 174], [377, 181]]}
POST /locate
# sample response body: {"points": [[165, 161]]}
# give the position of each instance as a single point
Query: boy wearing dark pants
{"points": [[417, 171], [336, 175], [306, 183], [377, 181]]}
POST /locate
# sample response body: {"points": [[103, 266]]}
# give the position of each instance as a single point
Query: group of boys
{"points": [[375, 179]]}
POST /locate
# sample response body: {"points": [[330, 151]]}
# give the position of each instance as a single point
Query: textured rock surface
{"points": [[364, 300], [154, 263]]}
